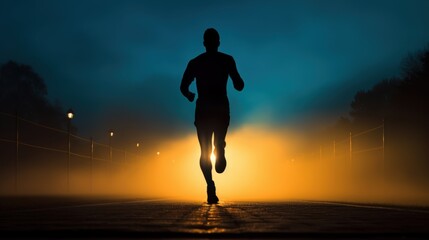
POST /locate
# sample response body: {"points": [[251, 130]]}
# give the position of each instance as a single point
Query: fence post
{"points": [[110, 153], [17, 151], [383, 146], [91, 166], [350, 149], [68, 153], [383, 163], [110, 145]]}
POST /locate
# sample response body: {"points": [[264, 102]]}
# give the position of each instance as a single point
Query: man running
{"points": [[211, 70]]}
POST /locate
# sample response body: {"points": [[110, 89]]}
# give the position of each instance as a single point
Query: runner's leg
{"points": [[220, 131], [205, 137]]}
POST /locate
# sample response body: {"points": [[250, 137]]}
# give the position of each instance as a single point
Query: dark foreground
{"points": [[103, 218]]}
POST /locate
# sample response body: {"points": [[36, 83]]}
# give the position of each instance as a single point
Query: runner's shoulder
{"points": [[206, 55], [226, 56]]}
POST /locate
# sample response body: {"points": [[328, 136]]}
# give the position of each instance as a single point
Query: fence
{"points": [[353, 150], [23, 142], [18, 135], [361, 154]]}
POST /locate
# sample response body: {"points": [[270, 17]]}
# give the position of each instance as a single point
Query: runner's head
{"points": [[211, 39]]}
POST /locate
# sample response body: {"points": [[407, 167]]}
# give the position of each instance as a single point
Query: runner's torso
{"points": [[211, 73]]}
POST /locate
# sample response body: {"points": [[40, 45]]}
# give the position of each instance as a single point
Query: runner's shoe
{"points": [[220, 161], [211, 194]]}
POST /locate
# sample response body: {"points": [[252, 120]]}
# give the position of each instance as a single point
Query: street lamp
{"points": [[110, 143], [70, 115]]}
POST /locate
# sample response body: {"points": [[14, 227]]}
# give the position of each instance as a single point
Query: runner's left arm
{"points": [[235, 76]]}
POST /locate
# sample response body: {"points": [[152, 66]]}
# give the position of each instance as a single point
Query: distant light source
{"points": [[213, 158], [70, 114], [110, 144], [157, 153], [138, 145]]}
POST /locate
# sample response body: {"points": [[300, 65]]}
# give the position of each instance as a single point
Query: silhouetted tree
{"points": [[397, 99], [370, 108], [402, 104], [24, 92], [412, 97]]}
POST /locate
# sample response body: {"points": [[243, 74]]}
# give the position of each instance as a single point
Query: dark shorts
{"points": [[212, 114]]}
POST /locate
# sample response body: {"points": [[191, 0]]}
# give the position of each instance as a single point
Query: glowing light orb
{"points": [[213, 158]]}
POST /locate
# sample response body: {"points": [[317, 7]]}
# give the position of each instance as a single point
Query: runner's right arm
{"points": [[187, 79]]}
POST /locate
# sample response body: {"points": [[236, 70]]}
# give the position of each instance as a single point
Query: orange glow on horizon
{"points": [[254, 169], [262, 165]]}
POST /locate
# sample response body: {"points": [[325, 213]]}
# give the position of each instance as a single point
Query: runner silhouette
{"points": [[211, 70]]}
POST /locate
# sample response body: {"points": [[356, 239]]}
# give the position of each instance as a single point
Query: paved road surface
{"points": [[150, 218]]}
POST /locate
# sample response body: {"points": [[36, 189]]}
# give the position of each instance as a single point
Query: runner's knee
{"points": [[205, 164]]}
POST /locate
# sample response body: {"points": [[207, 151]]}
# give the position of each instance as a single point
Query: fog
{"points": [[264, 164]]}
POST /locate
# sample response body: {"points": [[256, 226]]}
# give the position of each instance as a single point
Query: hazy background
{"points": [[118, 64]]}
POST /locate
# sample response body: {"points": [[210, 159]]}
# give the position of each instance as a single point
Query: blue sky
{"points": [[118, 64]]}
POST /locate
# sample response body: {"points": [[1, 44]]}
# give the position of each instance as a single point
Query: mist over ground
{"points": [[263, 165]]}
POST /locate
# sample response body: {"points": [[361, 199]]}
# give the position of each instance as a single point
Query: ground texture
{"points": [[103, 218]]}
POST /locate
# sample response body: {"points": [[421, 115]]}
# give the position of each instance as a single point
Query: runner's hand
{"points": [[191, 96]]}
